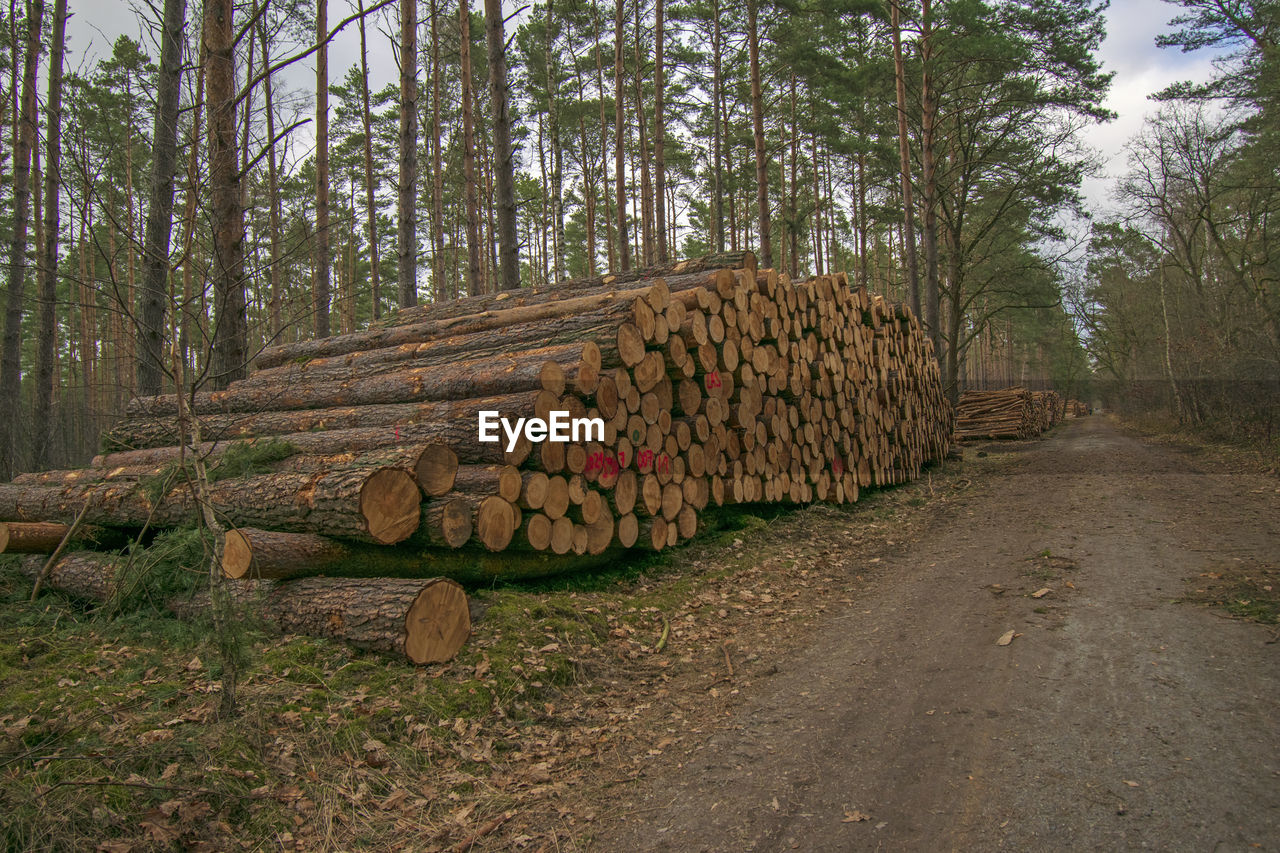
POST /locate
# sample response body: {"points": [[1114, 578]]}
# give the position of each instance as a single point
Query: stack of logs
{"points": [[717, 383], [1007, 413], [1078, 409]]}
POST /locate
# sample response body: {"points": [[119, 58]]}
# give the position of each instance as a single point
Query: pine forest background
{"points": [[170, 208]]}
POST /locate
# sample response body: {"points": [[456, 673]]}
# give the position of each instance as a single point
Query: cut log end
{"points": [[237, 554], [495, 523], [436, 470], [438, 623], [390, 504]]}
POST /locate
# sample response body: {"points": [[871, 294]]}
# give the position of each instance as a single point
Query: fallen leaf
{"points": [[854, 816], [1041, 593], [776, 806], [1131, 783], [114, 847], [1005, 639], [194, 665]]}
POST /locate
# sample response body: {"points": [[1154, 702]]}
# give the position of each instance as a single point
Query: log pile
{"points": [[714, 384], [1007, 413], [1078, 409]]}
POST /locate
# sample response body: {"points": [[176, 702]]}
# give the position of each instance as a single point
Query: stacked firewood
{"points": [[716, 383], [1079, 409], [1050, 409], [1006, 413]]}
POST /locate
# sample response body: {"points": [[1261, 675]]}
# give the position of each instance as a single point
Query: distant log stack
{"points": [[1077, 409], [1008, 413], [714, 382]]}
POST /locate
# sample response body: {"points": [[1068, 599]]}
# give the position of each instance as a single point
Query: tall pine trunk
{"points": [[274, 320], [624, 238], [475, 274], [11, 363], [757, 121], [503, 160], [437, 177], [230, 344], [371, 208], [642, 150], [717, 89], [49, 263], [610, 248], [659, 137], [406, 213], [159, 227], [929, 114], [322, 253]]}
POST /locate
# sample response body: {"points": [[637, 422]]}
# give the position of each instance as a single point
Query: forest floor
{"points": [[831, 679]]}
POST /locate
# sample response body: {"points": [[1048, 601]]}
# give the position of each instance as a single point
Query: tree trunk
{"points": [[757, 120], [659, 138], [503, 159], [164, 166], [370, 204], [49, 265], [929, 112], [642, 153], [230, 343], [274, 321], [11, 361], [406, 213], [619, 164], [322, 254], [475, 275], [717, 89]]}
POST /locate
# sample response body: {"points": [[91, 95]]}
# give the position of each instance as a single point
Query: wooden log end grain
{"points": [[390, 504], [495, 523], [436, 469], [438, 622]]}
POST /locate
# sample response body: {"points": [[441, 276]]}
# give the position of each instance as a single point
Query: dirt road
{"points": [[1117, 718]]}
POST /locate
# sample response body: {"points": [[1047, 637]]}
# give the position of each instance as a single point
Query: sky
{"points": [[1129, 50]]}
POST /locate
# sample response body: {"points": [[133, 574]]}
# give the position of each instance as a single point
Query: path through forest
{"points": [[1117, 718]]}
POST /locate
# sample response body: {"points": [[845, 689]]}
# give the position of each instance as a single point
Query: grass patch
{"points": [[1243, 591]]}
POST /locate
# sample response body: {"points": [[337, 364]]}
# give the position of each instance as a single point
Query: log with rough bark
{"points": [[425, 620], [331, 430], [456, 380], [31, 537], [380, 505], [251, 553]]}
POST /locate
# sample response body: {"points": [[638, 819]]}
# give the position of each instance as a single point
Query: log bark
{"points": [[30, 538], [460, 380], [263, 554], [381, 506], [328, 430]]}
